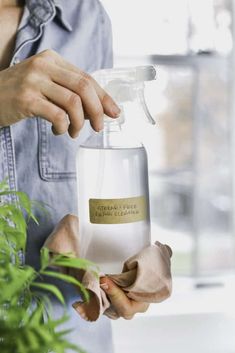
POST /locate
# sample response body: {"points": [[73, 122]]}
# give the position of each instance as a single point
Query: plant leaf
{"points": [[68, 279], [50, 288], [45, 257], [73, 262]]}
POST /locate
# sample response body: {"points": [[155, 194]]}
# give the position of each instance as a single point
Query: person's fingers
{"points": [[117, 297], [82, 87], [50, 112], [139, 307], [109, 105], [124, 306], [69, 102]]}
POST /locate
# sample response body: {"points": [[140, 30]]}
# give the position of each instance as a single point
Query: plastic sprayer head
{"points": [[130, 75], [127, 85]]}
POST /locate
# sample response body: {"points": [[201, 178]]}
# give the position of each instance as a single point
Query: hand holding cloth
{"points": [[145, 277]]}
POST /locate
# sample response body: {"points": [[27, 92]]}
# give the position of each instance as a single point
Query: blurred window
{"points": [[148, 27], [190, 159]]}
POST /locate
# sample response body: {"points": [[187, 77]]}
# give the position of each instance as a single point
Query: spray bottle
{"points": [[112, 170]]}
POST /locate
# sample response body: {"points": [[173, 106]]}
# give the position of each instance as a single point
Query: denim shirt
{"points": [[31, 157]]}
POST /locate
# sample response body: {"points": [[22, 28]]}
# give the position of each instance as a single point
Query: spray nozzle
{"points": [[127, 85]]}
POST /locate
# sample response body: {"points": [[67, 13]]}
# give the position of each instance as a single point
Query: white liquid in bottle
{"points": [[120, 176]]}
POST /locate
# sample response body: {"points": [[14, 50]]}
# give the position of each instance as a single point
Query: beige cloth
{"points": [[146, 276]]}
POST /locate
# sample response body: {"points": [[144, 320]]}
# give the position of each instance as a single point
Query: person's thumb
{"points": [[117, 296]]}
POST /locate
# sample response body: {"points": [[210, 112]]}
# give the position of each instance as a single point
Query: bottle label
{"points": [[117, 211]]}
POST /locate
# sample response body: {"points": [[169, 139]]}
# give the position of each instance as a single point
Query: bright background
{"points": [[191, 165]]}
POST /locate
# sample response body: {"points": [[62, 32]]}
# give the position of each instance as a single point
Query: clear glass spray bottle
{"points": [[112, 170]]}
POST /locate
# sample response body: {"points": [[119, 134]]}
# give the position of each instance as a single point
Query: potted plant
{"points": [[26, 323]]}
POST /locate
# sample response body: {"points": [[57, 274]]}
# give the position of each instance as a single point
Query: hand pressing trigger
{"points": [[46, 85]]}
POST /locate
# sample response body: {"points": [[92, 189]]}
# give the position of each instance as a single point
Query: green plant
{"points": [[26, 325]]}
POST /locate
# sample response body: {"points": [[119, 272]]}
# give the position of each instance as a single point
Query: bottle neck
{"points": [[113, 136], [111, 128]]}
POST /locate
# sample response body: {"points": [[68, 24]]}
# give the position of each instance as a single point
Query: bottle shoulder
{"points": [[111, 139]]}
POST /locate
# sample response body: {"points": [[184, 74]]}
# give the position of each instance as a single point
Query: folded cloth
{"points": [[145, 277]]}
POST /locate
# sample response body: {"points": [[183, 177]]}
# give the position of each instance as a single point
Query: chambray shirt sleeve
{"points": [[107, 41]]}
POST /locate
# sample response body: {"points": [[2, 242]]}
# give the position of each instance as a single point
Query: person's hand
{"points": [[46, 85], [124, 306]]}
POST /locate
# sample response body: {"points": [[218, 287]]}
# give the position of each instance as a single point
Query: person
{"points": [[47, 50]]}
